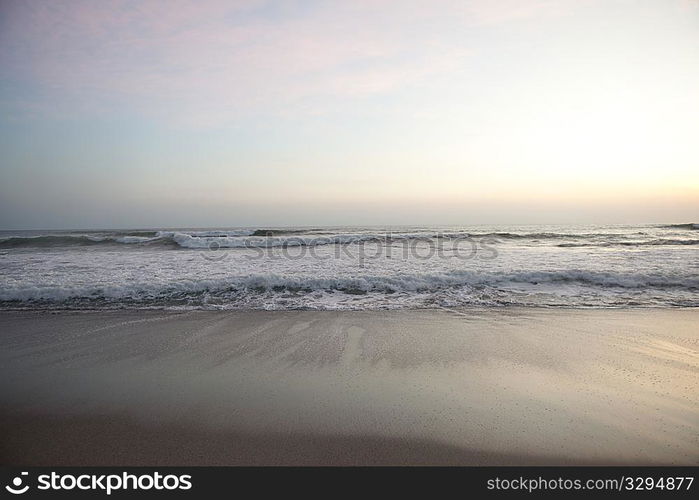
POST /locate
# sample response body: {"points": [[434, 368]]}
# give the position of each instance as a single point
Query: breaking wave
{"points": [[689, 226], [51, 241], [656, 242], [236, 290], [265, 238]]}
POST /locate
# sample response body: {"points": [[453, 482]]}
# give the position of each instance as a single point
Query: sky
{"points": [[203, 113]]}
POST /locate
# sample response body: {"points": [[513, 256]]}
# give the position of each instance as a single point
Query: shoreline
{"points": [[505, 386], [458, 310]]}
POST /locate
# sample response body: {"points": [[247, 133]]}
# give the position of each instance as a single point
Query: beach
{"points": [[444, 386]]}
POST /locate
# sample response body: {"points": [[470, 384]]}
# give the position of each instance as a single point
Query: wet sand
{"points": [[480, 387]]}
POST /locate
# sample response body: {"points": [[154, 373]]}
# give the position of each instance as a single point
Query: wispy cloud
{"points": [[206, 62]]}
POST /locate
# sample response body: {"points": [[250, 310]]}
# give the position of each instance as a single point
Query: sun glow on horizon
{"points": [[584, 110]]}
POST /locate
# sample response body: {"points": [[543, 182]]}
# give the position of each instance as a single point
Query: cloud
{"points": [[208, 62]]}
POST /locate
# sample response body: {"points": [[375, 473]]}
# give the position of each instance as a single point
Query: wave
{"points": [[261, 238], [52, 241], [208, 234], [128, 238], [67, 240], [656, 242], [690, 226], [234, 288], [188, 240], [266, 238], [282, 232], [205, 239], [541, 236]]}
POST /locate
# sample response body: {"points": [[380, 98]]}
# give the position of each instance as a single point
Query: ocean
{"points": [[356, 268]]}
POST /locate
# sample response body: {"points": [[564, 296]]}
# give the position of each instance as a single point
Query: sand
{"points": [[471, 387]]}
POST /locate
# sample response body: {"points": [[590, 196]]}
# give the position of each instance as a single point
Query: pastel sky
{"points": [[138, 113]]}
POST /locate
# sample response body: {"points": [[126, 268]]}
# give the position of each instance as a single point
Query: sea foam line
{"points": [[353, 285]]}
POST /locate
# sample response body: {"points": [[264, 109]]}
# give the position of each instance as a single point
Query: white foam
{"points": [[464, 281], [174, 268]]}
